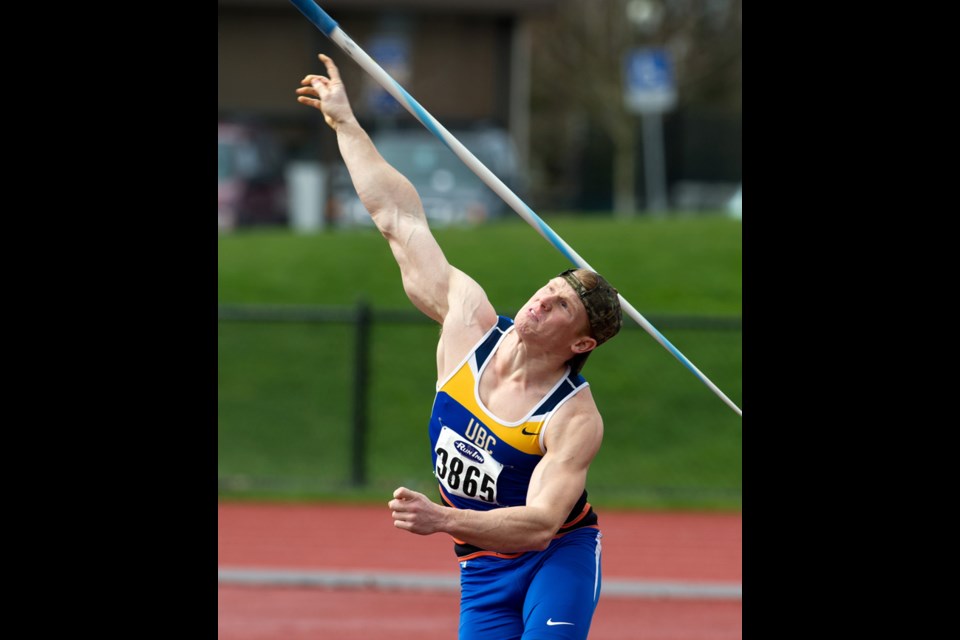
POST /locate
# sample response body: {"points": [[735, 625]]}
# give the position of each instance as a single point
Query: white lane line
{"points": [[444, 582]]}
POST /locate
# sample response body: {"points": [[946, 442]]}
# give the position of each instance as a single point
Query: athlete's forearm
{"points": [[384, 191], [507, 530]]}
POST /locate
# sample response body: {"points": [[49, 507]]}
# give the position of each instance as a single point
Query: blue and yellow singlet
{"points": [[482, 462]]}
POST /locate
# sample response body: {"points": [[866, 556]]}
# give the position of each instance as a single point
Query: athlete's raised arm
{"points": [[429, 280]]}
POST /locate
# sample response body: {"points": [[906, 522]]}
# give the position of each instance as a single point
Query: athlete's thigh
{"points": [[491, 598], [564, 593]]}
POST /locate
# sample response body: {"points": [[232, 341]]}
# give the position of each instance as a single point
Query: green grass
{"points": [[284, 389]]}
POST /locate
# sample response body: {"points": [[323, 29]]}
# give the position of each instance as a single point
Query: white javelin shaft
{"points": [[319, 17]]}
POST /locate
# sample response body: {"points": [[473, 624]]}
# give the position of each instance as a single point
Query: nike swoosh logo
{"points": [[528, 433], [551, 623]]}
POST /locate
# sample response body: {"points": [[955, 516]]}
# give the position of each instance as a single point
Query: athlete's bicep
{"points": [[560, 478], [555, 487], [423, 266]]}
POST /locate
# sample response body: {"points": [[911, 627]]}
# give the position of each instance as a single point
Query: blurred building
{"points": [[468, 63]]}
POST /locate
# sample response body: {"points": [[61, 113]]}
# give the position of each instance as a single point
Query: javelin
{"points": [[332, 30]]}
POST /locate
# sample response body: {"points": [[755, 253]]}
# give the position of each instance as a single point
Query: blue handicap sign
{"points": [[389, 51], [392, 53], [648, 80]]}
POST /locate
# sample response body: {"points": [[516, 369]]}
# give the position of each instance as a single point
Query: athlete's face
{"points": [[554, 312]]}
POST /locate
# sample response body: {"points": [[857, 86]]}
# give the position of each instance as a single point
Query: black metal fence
{"points": [[362, 318]]}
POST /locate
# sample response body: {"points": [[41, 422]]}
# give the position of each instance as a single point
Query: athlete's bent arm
{"points": [[556, 485]]}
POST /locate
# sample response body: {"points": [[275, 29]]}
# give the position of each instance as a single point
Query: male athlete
{"points": [[514, 426]]}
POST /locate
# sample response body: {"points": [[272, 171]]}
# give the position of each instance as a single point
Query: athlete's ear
{"points": [[584, 344]]}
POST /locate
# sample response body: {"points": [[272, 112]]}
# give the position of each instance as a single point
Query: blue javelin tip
{"points": [[316, 15]]}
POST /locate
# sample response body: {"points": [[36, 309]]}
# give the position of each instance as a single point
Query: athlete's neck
{"points": [[524, 366]]}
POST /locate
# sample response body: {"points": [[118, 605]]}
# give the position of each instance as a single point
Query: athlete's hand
{"points": [[327, 94], [414, 512]]}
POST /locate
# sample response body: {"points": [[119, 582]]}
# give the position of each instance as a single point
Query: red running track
{"points": [[682, 548]]}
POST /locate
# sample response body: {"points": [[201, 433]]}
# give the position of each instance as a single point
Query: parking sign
{"points": [[392, 52], [649, 85]]}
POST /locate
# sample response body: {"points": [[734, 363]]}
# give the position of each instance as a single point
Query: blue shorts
{"points": [[546, 594]]}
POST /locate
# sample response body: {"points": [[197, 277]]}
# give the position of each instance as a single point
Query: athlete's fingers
{"points": [[332, 69], [400, 500], [402, 493], [309, 79], [402, 519], [312, 102], [308, 92]]}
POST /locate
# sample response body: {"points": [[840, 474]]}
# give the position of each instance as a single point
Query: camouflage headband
{"points": [[602, 304]]}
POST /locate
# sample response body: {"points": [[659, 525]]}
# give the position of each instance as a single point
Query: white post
{"points": [[306, 193]]}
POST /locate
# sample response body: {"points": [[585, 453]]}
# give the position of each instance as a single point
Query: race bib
{"points": [[465, 470]]}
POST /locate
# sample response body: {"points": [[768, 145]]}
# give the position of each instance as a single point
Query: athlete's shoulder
{"points": [[459, 341], [577, 423], [583, 402]]}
